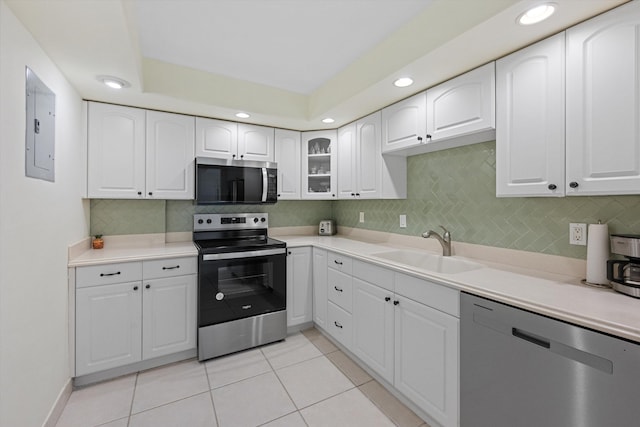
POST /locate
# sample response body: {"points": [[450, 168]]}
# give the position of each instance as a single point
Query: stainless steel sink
{"points": [[425, 261]]}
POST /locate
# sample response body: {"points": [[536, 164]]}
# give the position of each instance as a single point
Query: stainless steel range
{"points": [[241, 283]]}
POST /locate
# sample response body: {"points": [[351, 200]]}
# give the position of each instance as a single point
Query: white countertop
{"points": [[133, 252], [554, 295], [560, 296]]}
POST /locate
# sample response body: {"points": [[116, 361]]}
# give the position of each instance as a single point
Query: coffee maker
{"points": [[624, 274]]}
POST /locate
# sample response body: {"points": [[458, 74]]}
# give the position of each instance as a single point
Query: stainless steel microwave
{"points": [[228, 182]]}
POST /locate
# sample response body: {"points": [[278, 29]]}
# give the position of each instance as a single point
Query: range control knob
{"points": [[200, 221], [209, 221], [255, 220], [263, 219]]}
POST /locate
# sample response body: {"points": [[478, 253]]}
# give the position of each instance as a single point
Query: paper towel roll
{"points": [[597, 253]]}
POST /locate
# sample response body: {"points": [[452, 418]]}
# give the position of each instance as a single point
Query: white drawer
{"points": [[339, 262], [106, 274], [169, 267], [339, 324], [339, 289], [428, 293], [379, 276]]}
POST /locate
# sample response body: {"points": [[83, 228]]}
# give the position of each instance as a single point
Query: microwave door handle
{"points": [[265, 184], [234, 190]]}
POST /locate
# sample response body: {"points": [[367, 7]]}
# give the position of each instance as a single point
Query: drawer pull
{"points": [[396, 302], [171, 268], [109, 274], [387, 299], [337, 262], [338, 325], [338, 289]]}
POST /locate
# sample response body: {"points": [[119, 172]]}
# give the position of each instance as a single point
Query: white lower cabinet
{"points": [[405, 329], [299, 286], [108, 326], [426, 359], [168, 315], [134, 311], [373, 339], [320, 287]]}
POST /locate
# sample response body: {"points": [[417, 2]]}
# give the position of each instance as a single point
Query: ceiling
{"points": [[288, 63]]}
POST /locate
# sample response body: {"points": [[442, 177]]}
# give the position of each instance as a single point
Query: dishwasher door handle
{"points": [[527, 336]]}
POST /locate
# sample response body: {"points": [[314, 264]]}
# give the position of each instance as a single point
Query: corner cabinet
{"points": [[234, 141], [319, 165], [287, 156], [603, 112], [363, 172], [299, 287], [530, 109], [137, 154]]}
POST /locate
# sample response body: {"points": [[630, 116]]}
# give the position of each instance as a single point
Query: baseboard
{"points": [[58, 406]]}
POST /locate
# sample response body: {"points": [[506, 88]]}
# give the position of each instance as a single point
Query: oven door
{"points": [[242, 284]]}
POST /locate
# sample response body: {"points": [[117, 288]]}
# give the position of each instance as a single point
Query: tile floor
{"points": [[302, 381]]}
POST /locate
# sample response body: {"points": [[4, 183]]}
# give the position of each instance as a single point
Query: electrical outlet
{"points": [[361, 216], [403, 221], [578, 234]]}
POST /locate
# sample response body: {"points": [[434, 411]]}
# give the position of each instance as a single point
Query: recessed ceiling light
{"points": [[243, 115], [403, 82], [536, 14], [114, 82], [328, 120]]}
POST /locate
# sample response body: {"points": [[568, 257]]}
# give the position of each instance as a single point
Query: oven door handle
{"points": [[245, 254], [265, 184]]}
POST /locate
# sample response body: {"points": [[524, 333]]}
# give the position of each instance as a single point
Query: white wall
{"points": [[38, 220]]}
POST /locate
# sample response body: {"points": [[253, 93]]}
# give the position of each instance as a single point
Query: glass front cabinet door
{"points": [[319, 165]]}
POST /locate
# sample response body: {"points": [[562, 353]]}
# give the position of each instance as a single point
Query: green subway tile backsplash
{"points": [[454, 188]]}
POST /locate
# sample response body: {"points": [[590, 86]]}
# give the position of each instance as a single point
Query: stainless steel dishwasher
{"points": [[520, 369]]}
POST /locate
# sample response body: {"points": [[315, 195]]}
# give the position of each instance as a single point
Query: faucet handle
{"points": [[446, 234]]}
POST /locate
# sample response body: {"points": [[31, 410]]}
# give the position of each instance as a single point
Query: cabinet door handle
{"points": [[573, 184], [552, 186], [135, 288], [338, 289], [139, 193], [338, 325], [337, 262], [148, 286], [428, 136], [353, 195], [396, 302], [242, 156], [420, 139], [109, 274], [171, 268], [357, 194], [387, 299], [150, 193]]}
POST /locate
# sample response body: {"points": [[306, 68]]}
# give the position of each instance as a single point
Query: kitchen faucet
{"points": [[445, 240]]}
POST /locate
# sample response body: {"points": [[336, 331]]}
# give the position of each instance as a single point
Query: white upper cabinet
{"points": [[362, 170], [603, 112], [136, 154], [463, 108], [116, 152], [346, 161], [530, 137], [287, 156], [319, 165], [229, 140], [216, 138], [255, 143], [170, 156], [404, 124]]}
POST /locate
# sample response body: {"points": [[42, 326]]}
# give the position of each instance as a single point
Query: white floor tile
{"points": [[122, 422], [312, 381], [168, 384], [294, 349], [251, 402], [236, 367], [195, 411], [351, 408], [99, 404], [291, 420]]}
